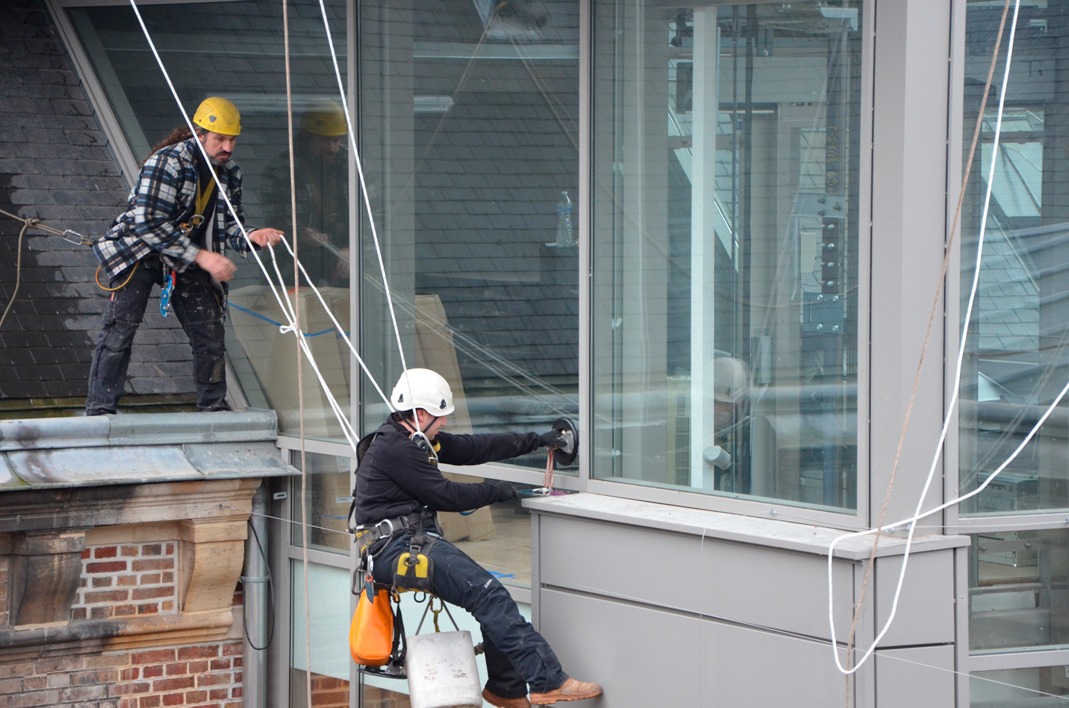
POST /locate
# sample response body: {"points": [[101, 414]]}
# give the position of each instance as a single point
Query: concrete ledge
{"points": [[52, 453], [732, 527]]}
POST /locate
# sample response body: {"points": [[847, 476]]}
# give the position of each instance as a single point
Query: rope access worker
{"points": [[399, 488], [174, 233]]}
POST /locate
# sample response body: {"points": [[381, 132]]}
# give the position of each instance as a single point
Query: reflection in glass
{"points": [[1037, 687], [1016, 343], [1019, 590], [320, 191], [725, 248], [469, 132], [326, 505], [251, 73], [319, 646]]}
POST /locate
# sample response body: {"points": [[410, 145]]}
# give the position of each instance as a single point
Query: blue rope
{"points": [[277, 324]]}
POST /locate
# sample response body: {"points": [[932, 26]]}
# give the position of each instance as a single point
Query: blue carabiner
{"points": [[165, 293]]}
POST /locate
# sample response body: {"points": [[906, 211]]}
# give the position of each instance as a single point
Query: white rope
{"points": [[918, 515], [278, 288]]}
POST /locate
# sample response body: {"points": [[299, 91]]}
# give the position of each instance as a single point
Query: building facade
{"points": [[792, 268]]}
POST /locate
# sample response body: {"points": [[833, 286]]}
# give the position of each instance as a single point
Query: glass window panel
{"points": [[196, 45], [725, 248], [1038, 687], [469, 132], [1019, 590], [326, 502], [1016, 342], [319, 637]]}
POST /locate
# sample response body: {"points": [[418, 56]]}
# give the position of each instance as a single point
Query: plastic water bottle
{"points": [[565, 233]]}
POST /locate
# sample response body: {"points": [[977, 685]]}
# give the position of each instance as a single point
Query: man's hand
{"points": [[217, 265], [266, 237], [505, 491], [563, 440], [553, 439]]}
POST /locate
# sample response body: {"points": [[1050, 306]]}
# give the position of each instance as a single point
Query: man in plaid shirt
{"points": [[174, 233]]}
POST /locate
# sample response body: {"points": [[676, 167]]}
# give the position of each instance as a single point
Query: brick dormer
{"points": [[122, 542]]}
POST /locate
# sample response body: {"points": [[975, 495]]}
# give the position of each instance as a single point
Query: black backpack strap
{"points": [[361, 448]]}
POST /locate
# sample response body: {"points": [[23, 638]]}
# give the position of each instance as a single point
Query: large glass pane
{"points": [[236, 50], [325, 494], [1039, 687], [469, 132], [1019, 590], [1016, 343], [725, 248], [319, 660]]}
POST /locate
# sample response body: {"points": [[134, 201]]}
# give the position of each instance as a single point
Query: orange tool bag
{"points": [[376, 634]]}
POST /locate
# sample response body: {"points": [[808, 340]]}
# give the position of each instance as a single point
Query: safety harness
{"points": [[189, 229], [414, 569]]}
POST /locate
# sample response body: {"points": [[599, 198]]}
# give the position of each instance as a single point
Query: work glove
{"points": [[553, 439], [505, 491], [558, 440]]}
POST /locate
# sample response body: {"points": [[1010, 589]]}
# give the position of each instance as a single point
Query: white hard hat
{"points": [[423, 388], [731, 379]]}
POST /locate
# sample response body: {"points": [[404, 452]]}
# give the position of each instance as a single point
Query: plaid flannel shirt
{"points": [[163, 198]]}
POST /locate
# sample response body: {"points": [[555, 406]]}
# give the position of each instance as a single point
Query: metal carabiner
{"points": [[165, 293]]}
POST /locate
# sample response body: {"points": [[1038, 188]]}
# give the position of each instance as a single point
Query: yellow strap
{"points": [[203, 195]]}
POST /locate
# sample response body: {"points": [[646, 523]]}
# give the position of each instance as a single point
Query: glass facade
{"points": [[687, 257], [469, 119], [724, 248], [1013, 231], [1016, 344]]}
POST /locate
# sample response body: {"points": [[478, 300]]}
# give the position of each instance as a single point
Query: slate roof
{"points": [[488, 180], [56, 166]]}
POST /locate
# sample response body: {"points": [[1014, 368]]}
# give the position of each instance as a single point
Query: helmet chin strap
{"points": [[420, 438], [414, 426]]}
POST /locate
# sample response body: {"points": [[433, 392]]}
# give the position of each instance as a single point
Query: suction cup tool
{"points": [[566, 454]]}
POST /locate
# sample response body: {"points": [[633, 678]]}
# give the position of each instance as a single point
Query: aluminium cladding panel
{"points": [[916, 676], [926, 606], [750, 584], [646, 656]]}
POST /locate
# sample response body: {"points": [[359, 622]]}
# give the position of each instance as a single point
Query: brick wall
{"points": [[196, 675], [122, 580], [128, 579]]}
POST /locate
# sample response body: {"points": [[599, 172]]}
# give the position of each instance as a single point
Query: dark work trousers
{"points": [[516, 655], [198, 306]]}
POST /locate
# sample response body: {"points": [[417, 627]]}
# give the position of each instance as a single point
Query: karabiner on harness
{"points": [[169, 279]]}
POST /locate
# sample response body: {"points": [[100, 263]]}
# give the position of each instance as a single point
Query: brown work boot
{"points": [[571, 690], [496, 700]]}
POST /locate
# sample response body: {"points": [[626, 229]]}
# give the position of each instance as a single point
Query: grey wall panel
{"points": [[650, 657], [736, 582], [620, 561], [918, 676], [642, 656], [749, 668], [774, 588], [926, 608]]}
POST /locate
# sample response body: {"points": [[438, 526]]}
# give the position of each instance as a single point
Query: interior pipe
{"points": [[254, 583]]}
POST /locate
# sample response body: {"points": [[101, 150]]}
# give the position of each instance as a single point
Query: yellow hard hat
{"points": [[218, 115], [325, 118]]}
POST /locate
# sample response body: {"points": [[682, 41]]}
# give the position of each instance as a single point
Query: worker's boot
{"points": [[495, 700], [571, 690]]}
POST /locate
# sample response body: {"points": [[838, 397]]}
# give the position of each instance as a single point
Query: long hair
{"points": [[175, 136]]}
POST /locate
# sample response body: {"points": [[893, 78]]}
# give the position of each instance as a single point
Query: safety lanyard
{"points": [[204, 195]]}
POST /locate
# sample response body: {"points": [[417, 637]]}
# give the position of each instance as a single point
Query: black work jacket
{"points": [[395, 477]]}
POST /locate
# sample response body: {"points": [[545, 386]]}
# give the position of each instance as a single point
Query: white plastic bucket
{"points": [[442, 672]]}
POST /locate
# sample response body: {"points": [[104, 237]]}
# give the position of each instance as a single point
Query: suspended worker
{"points": [[399, 489], [174, 234], [320, 192]]}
